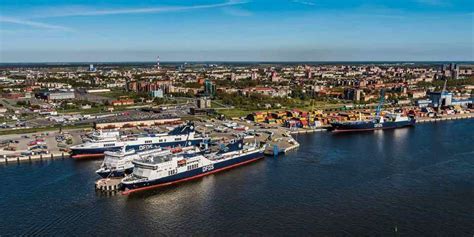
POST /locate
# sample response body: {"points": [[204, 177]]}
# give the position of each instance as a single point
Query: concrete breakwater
{"points": [[17, 159]]}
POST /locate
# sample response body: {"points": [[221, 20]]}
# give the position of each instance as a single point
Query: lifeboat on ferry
{"points": [[176, 150], [181, 162]]}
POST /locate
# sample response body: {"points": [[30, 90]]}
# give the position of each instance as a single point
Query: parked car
{"points": [[27, 153]]}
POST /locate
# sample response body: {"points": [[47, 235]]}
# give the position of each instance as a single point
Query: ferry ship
{"points": [[389, 121], [119, 163], [170, 169], [183, 135], [100, 135]]}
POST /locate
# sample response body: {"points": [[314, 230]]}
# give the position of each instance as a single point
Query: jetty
{"points": [[17, 159]]}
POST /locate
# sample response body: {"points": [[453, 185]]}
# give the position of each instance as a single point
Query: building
{"points": [[275, 77], [417, 94], [203, 103], [89, 91], [92, 68], [156, 93], [423, 103], [106, 124], [254, 76], [209, 88], [352, 94], [56, 95], [445, 98], [123, 102]]}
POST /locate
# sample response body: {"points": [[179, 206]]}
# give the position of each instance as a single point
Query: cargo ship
{"points": [[389, 121], [161, 171], [183, 135]]}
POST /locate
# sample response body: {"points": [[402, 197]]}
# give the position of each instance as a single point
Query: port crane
{"points": [[379, 106]]}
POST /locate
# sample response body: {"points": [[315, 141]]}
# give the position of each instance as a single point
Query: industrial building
{"points": [[56, 95], [118, 123]]}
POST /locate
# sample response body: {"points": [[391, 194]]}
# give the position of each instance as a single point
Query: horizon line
{"points": [[231, 61]]}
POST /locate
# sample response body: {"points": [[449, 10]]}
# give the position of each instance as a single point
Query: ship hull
{"points": [[192, 174], [90, 153], [370, 126]]}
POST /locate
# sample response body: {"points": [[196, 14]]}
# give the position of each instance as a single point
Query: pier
{"points": [[17, 159], [108, 184], [444, 118]]}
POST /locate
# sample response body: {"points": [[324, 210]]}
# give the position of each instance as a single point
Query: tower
{"points": [[158, 62]]}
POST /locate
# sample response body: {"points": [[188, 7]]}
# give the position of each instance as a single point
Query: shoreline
{"points": [[5, 159]]}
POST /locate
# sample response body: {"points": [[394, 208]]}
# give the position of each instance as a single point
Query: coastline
{"points": [[278, 147]]}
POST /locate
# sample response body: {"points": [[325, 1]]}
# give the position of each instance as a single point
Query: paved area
{"points": [[21, 143]]}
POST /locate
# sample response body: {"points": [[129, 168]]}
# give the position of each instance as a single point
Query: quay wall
{"points": [[7, 159]]}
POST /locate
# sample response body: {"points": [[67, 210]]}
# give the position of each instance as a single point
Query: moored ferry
{"points": [[183, 135], [170, 169], [119, 163]]}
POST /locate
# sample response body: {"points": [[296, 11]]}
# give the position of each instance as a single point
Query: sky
{"points": [[236, 30]]}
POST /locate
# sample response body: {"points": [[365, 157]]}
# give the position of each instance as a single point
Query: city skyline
{"points": [[78, 31]]}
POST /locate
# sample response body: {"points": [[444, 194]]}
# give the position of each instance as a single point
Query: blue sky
{"points": [[236, 30]]}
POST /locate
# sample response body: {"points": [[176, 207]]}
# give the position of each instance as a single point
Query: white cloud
{"points": [[233, 11], [433, 2], [309, 3], [95, 12], [35, 24]]}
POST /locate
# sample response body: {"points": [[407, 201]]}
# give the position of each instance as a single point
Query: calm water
{"points": [[418, 180]]}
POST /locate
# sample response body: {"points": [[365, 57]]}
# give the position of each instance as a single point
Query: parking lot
{"points": [[38, 143]]}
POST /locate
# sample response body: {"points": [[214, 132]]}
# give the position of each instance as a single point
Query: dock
{"points": [[108, 185], [278, 139], [17, 159], [444, 118]]}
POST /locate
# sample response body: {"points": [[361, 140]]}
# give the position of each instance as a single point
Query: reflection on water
{"points": [[416, 179]]}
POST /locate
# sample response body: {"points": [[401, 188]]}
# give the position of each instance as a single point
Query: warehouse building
{"points": [[56, 95]]}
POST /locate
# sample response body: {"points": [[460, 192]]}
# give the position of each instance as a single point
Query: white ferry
{"points": [[180, 136], [119, 163], [171, 169]]}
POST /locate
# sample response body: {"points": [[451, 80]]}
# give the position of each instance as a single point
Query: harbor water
{"points": [[413, 181]]}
